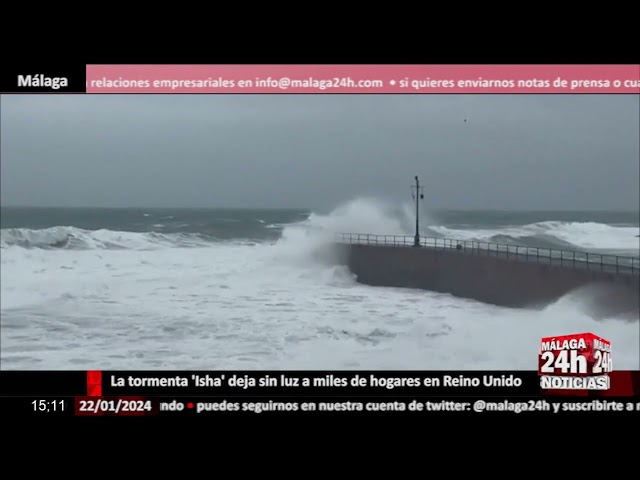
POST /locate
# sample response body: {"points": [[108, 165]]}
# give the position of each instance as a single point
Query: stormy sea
{"points": [[147, 288]]}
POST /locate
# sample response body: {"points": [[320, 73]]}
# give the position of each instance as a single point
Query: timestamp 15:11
{"points": [[48, 405]]}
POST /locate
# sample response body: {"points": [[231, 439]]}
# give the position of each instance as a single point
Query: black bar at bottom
{"points": [[282, 407]]}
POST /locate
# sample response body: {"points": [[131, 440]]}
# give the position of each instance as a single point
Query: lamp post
{"points": [[419, 195]]}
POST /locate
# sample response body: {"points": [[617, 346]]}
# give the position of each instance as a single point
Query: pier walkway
{"points": [[571, 259]]}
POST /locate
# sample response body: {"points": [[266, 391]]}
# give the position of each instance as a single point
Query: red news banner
{"points": [[399, 79]]}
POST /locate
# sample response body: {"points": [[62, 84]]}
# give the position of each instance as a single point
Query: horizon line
{"points": [[442, 209]]}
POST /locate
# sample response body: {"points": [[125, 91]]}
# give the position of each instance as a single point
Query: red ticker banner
{"points": [[398, 79]]}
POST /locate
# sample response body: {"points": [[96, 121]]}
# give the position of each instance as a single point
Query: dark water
{"points": [[219, 224], [240, 221], [611, 232]]}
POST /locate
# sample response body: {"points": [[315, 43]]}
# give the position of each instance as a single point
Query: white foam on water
{"points": [[580, 234], [157, 304]]}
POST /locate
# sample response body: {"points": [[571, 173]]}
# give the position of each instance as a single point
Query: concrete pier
{"points": [[505, 275]]}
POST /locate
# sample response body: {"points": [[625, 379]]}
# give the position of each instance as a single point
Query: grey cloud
{"points": [[513, 152]]}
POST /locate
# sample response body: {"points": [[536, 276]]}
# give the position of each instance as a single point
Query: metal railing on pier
{"points": [[565, 258]]}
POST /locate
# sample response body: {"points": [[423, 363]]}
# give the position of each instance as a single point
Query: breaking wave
{"points": [[73, 238], [358, 216]]}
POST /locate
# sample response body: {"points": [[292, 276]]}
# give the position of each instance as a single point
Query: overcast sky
{"points": [[548, 152]]}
